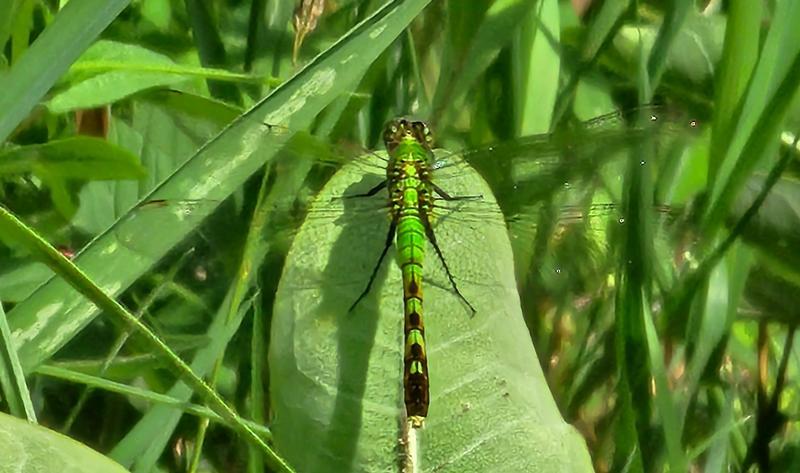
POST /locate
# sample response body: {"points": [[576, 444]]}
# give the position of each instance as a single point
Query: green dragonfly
{"points": [[412, 194]]}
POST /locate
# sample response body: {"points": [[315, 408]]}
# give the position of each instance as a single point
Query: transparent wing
{"points": [[544, 184], [535, 168], [570, 228]]}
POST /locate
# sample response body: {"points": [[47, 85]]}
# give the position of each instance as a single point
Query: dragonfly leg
{"points": [[444, 195], [432, 238], [386, 246], [369, 193]]}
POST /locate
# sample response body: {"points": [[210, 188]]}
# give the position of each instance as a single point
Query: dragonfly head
{"points": [[402, 129]]}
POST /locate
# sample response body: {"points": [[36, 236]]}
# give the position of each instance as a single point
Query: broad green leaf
{"points": [[110, 71], [79, 157], [165, 130], [28, 447], [17, 282], [336, 376]]}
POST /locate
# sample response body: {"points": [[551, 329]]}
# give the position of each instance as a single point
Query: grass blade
{"points": [[73, 29]]}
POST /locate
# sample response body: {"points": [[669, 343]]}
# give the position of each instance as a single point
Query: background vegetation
{"points": [[668, 346]]}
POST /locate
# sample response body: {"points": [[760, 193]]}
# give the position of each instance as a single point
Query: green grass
{"points": [[187, 339]]}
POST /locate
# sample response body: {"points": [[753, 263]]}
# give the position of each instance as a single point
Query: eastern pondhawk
{"points": [[570, 170]]}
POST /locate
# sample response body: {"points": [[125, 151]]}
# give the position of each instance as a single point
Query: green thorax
{"points": [[409, 145]]}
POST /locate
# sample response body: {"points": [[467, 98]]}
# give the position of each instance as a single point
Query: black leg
{"points": [[369, 193], [432, 238], [444, 195], [387, 245]]}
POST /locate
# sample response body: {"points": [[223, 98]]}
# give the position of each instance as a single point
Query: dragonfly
{"points": [[412, 194], [569, 178]]}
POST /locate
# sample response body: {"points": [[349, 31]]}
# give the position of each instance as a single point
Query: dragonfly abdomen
{"points": [[411, 251], [410, 206]]}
